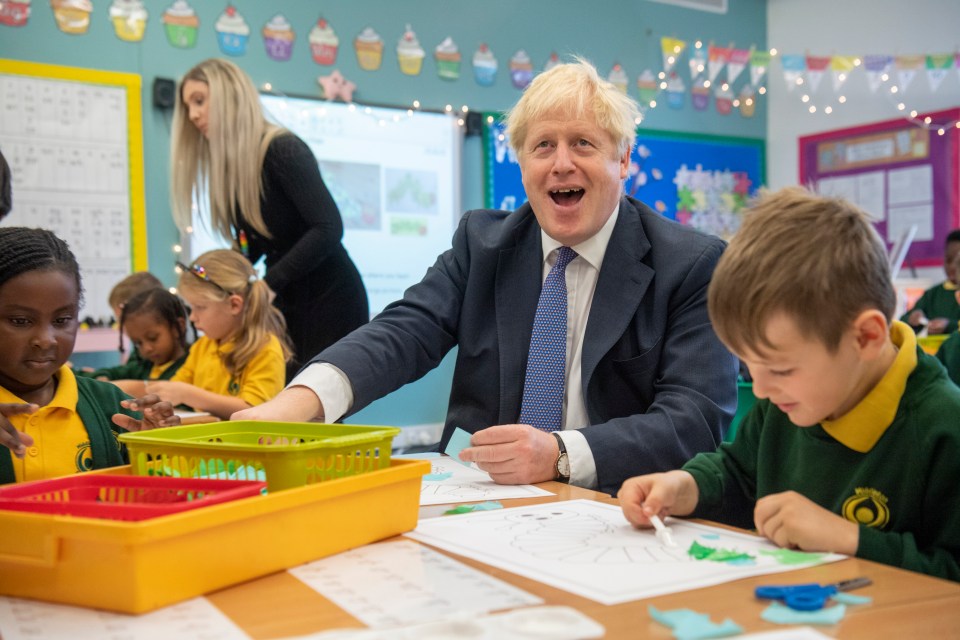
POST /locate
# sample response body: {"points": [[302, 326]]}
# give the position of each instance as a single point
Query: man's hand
{"points": [[16, 441], [672, 493], [795, 522], [156, 413], [293, 404], [514, 453]]}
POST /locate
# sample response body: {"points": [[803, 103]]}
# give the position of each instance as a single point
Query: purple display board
{"points": [[901, 174]]}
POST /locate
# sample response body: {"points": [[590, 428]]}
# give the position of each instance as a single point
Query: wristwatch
{"points": [[562, 466]]}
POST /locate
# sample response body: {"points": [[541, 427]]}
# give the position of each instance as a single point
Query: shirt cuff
{"points": [[332, 387], [583, 468]]}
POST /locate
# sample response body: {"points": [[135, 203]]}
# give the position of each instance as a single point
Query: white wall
{"points": [[852, 27]]}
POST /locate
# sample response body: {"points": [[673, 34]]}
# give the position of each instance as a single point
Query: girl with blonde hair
{"points": [[266, 196]]}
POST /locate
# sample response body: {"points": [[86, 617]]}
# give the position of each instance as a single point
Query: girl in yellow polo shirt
{"points": [[240, 360], [52, 422]]}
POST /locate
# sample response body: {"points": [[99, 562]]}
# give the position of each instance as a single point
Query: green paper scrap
{"points": [[688, 624], [781, 614], [437, 477], [470, 508], [791, 556], [459, 441], [703, 552], [850, 598]]}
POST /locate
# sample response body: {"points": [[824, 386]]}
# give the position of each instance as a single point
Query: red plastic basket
{"points": [[122, 497]]}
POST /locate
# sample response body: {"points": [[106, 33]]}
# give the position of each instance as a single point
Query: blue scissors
{"points": [[810, 596]]}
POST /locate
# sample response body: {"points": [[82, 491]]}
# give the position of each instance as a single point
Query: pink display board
{"points": [[900, 173]]}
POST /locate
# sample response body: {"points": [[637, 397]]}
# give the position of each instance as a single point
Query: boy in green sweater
{"points": [[938, 309], [853, 445]]}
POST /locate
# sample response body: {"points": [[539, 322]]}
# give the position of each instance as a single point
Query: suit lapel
{"points": [[518, 289], [622, 282]]}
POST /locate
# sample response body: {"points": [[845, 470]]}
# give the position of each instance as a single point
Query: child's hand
{"points": [[937, 326], [16, 441], [795, 522], [156, 413], [672, 493], [172, 392]]}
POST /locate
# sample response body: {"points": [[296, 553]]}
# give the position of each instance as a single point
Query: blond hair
{"points": [[130, 286], [818, 260], [227, 270], [572, 89], [229, 162]]}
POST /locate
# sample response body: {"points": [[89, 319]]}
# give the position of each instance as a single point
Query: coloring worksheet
{"points": [[589, 548], [450, 482]]}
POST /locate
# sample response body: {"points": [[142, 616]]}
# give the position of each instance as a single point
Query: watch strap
{"points": [[559, 477]]}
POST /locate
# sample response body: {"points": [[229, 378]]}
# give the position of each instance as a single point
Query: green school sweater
{"points": [[938, 302], [135, 368], [949, 355], [97, 401], [903, 492]]}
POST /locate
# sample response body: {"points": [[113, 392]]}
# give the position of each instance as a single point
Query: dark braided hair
{"points": [[165, 305], [23, 249]]}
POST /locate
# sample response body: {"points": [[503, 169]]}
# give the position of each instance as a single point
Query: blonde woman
{"points": [[267, 197]]}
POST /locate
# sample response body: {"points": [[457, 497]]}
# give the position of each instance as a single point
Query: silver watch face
{"points": [[563, 466]]}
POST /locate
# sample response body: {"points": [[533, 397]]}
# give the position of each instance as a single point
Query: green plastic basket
{"points": [[284, 454]]}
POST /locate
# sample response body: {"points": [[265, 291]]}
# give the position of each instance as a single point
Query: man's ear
{"points": [[871, 331]]}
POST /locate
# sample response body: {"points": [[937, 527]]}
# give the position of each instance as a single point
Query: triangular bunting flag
{"points": [[876, 66], [816, 67], [841, 66], [759, 61], [938, 66], [671, 48], [907, 67], [738, 62], [718, 57], [794, 66], [698, 62]]}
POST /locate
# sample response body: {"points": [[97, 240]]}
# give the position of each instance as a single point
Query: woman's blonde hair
{"points": [[228, 271], [572, 89], [229, 162]]}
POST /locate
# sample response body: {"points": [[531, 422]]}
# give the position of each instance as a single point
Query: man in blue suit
{"points": [[645, 383]]}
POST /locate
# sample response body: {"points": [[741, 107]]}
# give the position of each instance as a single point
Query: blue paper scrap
{"points": [[459, 441], [688, 624], [437, 477], [850, 598], [781, 614]]}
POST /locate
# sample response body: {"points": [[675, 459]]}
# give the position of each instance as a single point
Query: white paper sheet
{"points": [[466, 484], [401, 582], [195, 619], [589, 548], [911, 185]]}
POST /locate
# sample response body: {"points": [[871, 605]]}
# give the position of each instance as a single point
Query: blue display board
{"points": [[698, 180]]}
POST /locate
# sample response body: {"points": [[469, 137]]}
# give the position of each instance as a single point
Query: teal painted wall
{"points": [[604, 31]]}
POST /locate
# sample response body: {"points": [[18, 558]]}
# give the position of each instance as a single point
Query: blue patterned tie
{"points": [[546, 363]]}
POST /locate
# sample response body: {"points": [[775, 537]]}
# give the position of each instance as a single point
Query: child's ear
{"points": [[236, 304], [871, 331]]}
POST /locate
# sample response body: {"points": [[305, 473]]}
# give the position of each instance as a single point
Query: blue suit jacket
{"points": [[659, 386]]}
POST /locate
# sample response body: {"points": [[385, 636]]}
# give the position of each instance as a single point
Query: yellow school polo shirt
{"points": [[61, 445], [260, 380]]}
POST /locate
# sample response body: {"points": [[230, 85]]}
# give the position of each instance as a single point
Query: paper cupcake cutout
{"points": [[618, 77], [675, 91], [484, 66], [409, 53], [447, 55], [552, 61], [278, 37], [180, 24], [324, 43], [748, 101], [72, 16], [369, 48], [129, 19], [14, 13], [232, 32], [724, 100], [521, 69], [700, 95]]}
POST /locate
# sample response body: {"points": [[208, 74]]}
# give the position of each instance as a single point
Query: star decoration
{"points": [[336, 86]]}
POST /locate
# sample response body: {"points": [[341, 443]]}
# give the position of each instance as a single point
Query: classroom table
{"points": [[905, 604]]}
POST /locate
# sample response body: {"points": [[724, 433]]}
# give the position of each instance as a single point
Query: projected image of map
{"points": [[411, 191], [356, 189]]}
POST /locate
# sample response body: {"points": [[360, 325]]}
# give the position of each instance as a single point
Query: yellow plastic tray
{"points": [[134, 567]]}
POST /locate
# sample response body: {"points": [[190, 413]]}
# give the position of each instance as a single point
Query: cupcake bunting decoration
{"points": [[521, 69], [409, 53], [647, 85], [324, 43], [618, 77], [336, 86], [447, 55], [180, 24], [129, 19], [700, 95], [484, 66], [369, 48], [552, 61], [72, 16], [675, 91], [14, 13], [278, 37], [232, 32], [748, 101], [724, 100]]}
